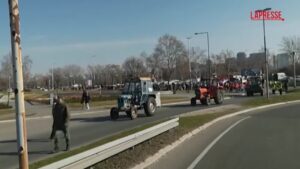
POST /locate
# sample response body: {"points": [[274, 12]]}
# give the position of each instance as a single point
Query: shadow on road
{"points": [[8, 141], [39, 140], [28, 140], [92, 119], [8, 153], [30, 153], [188, 105], [122, 117]]}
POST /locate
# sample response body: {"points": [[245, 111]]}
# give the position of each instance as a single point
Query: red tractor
{"points": [[207, 91]]}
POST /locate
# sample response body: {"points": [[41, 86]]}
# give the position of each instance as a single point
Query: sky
{"points": [[90, 32]]}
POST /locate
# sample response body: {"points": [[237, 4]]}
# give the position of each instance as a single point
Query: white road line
{"points": [[206, 150]]}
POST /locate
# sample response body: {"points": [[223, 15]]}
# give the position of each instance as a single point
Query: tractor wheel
{"points": [[203, 101], [114, 113], [273, 91], [150, 106], [219, 98], [280, 91], [248, 93], [207, 101], [128, 113], [193, 101], [133, 113]]}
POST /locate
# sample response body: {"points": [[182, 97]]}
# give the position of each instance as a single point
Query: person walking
{"points": [[61, 118], [85, 100]]}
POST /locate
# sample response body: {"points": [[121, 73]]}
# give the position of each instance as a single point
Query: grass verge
{"points": [[139, 153], [260, 101], [63, 155], [4, 106], [5, 109]]}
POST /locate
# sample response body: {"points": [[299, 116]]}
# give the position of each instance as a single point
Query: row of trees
{"points": [[168, 61], [6, 71]]}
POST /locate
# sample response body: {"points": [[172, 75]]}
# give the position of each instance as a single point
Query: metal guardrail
{"points": [[95, 155]]}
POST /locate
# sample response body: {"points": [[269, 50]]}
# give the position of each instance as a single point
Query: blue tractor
{"points": [[137, 94]]}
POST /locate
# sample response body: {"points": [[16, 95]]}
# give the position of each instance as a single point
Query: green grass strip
{"points": [[81, 149], [260, 101]]}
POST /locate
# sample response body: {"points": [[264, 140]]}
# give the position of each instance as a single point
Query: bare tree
{"points": [[229, 62], [169, 49], [154, 65], [58, 76], [27, 62], [198, 62], [134, 66], [6, 69], [110, 74], [291, 44], [72, 74]]}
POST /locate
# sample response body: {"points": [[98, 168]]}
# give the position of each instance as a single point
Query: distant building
{"points": [[256, 60], [282, 60]]}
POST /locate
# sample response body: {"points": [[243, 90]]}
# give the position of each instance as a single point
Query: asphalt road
{"points": [[84, 129], [265, 139]]}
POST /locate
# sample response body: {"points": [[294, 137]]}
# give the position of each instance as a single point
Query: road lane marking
{"points": [[206, 150]]}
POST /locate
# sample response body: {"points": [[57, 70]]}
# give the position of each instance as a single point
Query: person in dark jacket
{"points": [[85, 100], [61, 118]]}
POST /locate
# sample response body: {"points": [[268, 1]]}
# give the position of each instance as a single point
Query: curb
{"points": [[187, 136]]}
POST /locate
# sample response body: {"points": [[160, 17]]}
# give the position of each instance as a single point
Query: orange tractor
{"points": [[207, 91]]}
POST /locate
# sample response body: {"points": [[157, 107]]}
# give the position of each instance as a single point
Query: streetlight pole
{"points": [[294, 67], [14, 17], [266, 59], [265, 50], [190, 68], [208, 56], [52, 77]]}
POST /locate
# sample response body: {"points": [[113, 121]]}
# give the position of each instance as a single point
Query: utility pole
{"points": [[8, 91], [190, 68], [14, 16], [266, 59], [52, 77], [208, 56], [209, 62], [265, 51], [294, 67]]}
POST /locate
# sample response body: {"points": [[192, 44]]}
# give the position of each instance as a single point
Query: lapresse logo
{"points": [[273, 15]]}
